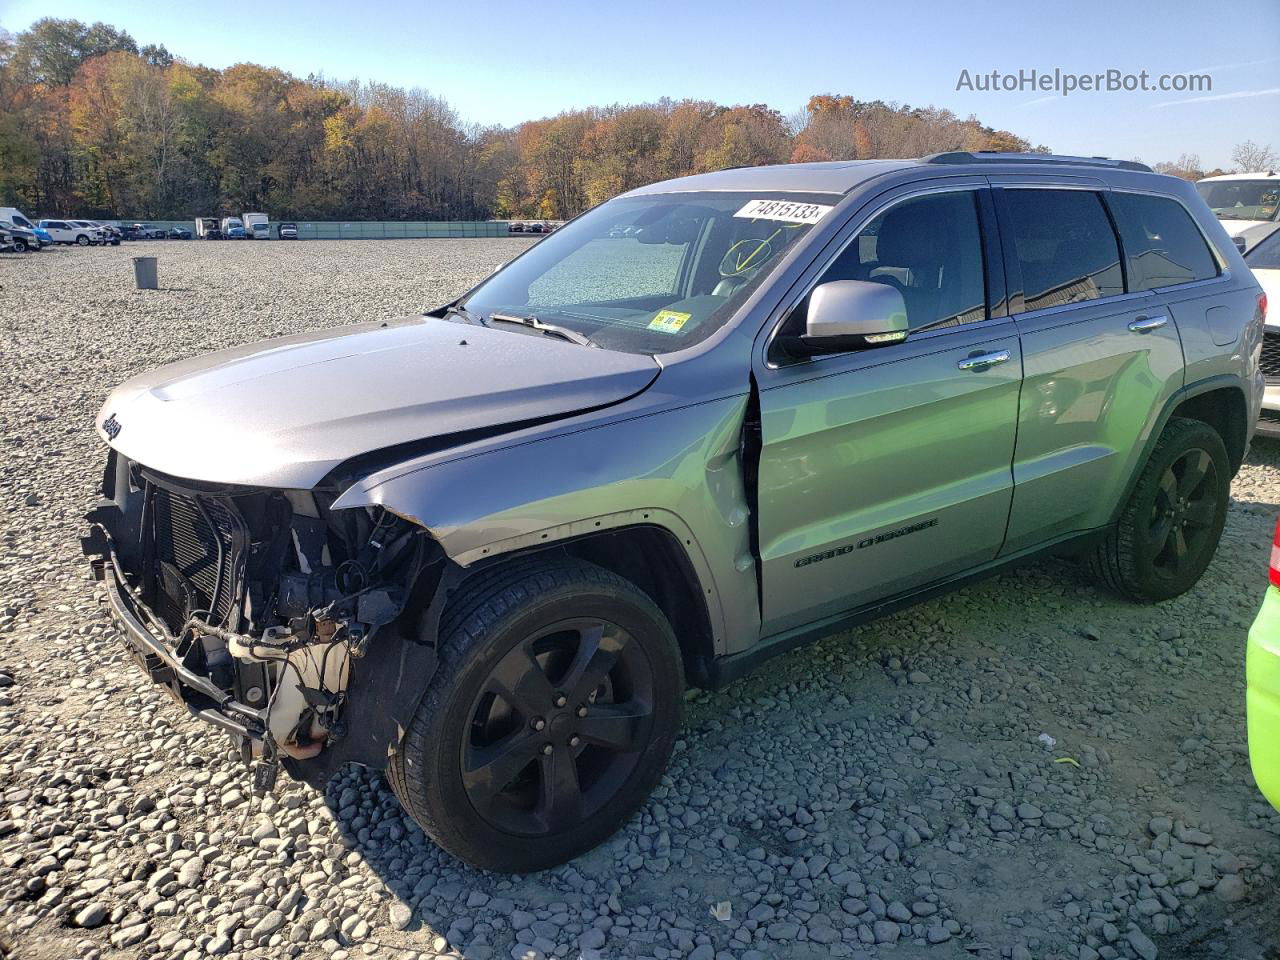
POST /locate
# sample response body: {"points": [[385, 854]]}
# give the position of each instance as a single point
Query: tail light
{"points": [[1275, 558]]}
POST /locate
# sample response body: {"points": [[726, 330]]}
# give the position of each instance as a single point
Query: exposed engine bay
{"points": [[258, 603]]}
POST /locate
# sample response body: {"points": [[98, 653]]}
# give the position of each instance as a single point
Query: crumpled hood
{"points": [[283, 413]]}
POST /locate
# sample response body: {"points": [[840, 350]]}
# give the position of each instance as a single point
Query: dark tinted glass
{"points": [[1162, 245], [930, 249], [1266, 255], [1066, 247]]}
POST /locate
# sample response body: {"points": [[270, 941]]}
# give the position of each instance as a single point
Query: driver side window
{"points": [[929, 249]]}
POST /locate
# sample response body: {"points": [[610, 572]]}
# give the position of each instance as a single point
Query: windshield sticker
{"points": [[669, 321], [788, 211]]}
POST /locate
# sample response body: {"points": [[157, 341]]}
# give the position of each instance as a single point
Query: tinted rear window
{"points": [[1162, 244], [1065, 246]]}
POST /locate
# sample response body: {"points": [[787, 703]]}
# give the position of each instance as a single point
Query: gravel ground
{"points": [[885, 793]]}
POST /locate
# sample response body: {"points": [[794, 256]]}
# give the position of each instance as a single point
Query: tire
{"points": [[527, 627], [20, 245], [82, 240], [115, 243], [1170, 526]]}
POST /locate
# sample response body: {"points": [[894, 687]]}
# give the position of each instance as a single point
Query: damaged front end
{"points": [[306, 633]]}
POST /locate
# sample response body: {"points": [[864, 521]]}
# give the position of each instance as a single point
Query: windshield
{"points": [[655, 273], [1266, 255], [1242, 199]]}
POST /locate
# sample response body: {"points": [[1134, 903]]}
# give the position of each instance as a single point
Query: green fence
{"points": [[365, 229]]}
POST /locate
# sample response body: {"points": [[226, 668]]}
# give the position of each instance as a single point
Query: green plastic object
{"points": [[1262, 667]]}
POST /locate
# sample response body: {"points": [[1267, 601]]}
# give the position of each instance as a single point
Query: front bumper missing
{"points": [[153, 648], [390, 679]]}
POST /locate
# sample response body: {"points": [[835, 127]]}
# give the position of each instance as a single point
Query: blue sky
{"points": [[501, 62]]}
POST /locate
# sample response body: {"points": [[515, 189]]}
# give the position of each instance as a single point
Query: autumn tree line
{"points": [[93, 125]]}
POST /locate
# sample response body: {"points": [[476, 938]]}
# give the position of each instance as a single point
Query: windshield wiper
{"points": [[550, 329], [465, 314]]}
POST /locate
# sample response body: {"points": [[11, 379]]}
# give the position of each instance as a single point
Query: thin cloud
{"points": [[1052, 96], [1238, 95], [1234, 66]]}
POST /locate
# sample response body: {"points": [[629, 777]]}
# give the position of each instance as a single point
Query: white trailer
{"points": [[207, 228]]}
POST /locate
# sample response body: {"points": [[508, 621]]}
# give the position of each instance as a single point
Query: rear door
{"points": [[887, 468], [1100, 359]]}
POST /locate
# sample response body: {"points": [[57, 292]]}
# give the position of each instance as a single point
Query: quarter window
{"points": [[1066, 247], [930, 250], [1162, 245]]}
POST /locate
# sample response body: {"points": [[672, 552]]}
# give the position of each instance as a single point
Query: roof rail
{"points": [[994, 156]]}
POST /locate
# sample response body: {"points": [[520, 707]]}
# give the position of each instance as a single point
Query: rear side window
{"points": [[1065, 246], [1162, 244]]}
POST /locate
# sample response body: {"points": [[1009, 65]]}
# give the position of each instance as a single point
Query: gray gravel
{"points": [[885, 793]]}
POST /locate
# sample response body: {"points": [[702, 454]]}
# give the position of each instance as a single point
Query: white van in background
{"points": [[17, 218], [257, 226]]}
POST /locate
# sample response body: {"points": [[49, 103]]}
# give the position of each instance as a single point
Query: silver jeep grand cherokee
{"points": [[484, 549]]}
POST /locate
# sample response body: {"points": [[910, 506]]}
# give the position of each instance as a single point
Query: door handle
{"points": [[982, 361], [1147, 324]]}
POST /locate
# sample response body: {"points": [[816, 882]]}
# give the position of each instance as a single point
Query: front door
{"points": [[887, 468]]}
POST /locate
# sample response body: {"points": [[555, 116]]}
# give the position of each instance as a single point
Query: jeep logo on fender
{"points": [[868, 542], [111, 427]]}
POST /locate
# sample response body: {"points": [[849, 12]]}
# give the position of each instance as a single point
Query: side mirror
{"points": [[848, 315], [1239, 242]]}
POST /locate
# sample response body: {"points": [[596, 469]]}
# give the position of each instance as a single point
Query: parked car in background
{"points": [[99, 235], [20, 238], [1263, 259], [232, 228], [208, 228], [1242, 200], [1262, 676], [129, 231], [288, 231], [146, 231], [69, 231], [500, 601], [179, 233], [110, 232], [6, 239], [257, 226], [515, 226]]}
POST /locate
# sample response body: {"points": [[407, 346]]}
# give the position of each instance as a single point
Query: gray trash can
{"points": [[144, 273]]}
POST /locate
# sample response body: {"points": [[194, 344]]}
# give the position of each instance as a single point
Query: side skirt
{"points": [[725, 670]]}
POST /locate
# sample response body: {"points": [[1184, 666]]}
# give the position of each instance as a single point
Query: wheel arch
{"points": [[658, 562], [1223, 407]]}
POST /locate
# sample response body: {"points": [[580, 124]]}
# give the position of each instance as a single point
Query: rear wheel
{"points": [[550, 718], [1170, 526]]}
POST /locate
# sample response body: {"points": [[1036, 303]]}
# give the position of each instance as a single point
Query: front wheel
{"points": [[20, 245], [550, 718], [1171, 524], [82, 240]]}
